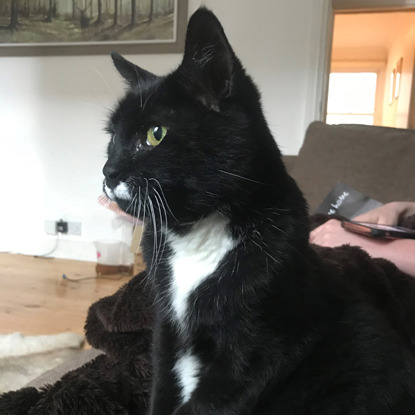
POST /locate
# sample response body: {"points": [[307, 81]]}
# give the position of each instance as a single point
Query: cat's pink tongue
{"points": [[109, 204]]}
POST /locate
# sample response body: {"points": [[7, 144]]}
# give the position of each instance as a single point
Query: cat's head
{"points": [[194, 141]]}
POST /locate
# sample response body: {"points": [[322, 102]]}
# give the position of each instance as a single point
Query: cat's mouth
{"points": [[106, 202]]}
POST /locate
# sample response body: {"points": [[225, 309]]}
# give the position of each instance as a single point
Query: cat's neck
{"points": [[267, 229], [196, 255], [222, 257]]}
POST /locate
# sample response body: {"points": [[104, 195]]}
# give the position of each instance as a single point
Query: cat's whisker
{"points": [[132, 202], [139, 204], [158, 232], [135, 211], [241, 177], [161, 204], [105, 81], [164, 198], [145, 102], [143, 206], [139, 90], [92, 105], [152, 219], [155, 242], [163, 232]]}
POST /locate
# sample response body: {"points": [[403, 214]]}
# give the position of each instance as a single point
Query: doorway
{"points": [[372, 68]]}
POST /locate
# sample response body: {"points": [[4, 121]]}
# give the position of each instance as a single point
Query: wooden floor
{"points": [[35, 299]]}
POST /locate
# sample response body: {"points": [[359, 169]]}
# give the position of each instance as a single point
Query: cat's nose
{"points": [[111, 173]]}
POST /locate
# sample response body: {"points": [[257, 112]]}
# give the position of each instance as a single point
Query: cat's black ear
{"points": [[208, 63], [133, 74]]}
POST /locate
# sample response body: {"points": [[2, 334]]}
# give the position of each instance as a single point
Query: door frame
{"points": [[371, 6]]}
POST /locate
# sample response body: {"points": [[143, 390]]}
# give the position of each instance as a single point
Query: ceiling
{"points": [[375, 30]]}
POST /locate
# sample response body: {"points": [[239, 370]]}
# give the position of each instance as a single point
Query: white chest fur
{"points": [[187, 371], [196, 255]]}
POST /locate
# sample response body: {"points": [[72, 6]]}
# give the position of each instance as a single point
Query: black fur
{"points": [[275, 328]]}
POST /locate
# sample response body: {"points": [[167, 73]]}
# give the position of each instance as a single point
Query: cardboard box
{"points": [[135, 247]]}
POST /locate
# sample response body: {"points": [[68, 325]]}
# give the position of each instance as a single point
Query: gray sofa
{"points": [[377, 161]]}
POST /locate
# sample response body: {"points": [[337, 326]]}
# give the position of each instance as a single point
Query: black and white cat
{"points": [[250, 319]]}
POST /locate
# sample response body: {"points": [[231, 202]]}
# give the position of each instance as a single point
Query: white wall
{"points": [[53, 109], [397, 113]]}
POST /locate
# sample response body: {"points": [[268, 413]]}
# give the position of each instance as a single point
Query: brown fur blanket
{"points": [[118, 382]]}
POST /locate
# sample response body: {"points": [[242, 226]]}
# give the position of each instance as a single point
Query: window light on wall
{"points": [[351, 98]]}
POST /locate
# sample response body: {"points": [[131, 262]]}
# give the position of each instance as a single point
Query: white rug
{"points": [[24, 358]]}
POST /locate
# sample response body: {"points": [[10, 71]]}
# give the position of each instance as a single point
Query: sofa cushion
{"points": [[376, 161], [289, 162]]}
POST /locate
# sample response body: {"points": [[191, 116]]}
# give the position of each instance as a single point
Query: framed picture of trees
{"points": [[79, 27]]}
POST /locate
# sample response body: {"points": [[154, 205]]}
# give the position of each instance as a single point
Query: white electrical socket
{"points": [[74, 228], [50, 227]]}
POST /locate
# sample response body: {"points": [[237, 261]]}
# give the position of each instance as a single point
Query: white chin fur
{"points": [[109, 193], [122, 192]]}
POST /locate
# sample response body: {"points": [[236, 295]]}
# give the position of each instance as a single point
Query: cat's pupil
{"points": [[158, 133]]}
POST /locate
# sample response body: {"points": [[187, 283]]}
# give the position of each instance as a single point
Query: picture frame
{"points": [[92, 27], [392, 79], [398, 77]]}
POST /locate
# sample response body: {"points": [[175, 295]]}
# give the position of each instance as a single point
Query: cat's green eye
{"points": [[155, 135]]}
